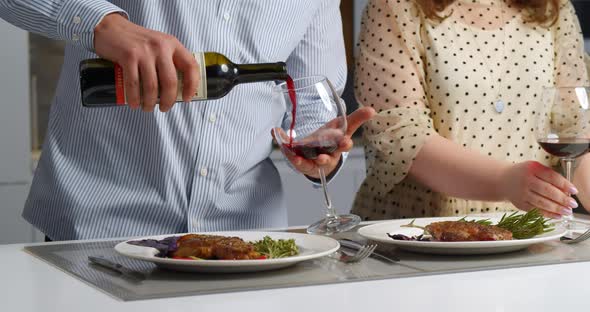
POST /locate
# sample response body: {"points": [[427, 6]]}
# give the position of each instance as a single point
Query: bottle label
{"points": [[119, 85], [201, 93]]}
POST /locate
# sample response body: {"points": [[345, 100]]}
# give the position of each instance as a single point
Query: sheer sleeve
{"points": [[570, 69], [390, 78]]}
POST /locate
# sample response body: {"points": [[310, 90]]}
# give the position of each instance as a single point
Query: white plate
{"points": [[378, 232], [310, 247]]}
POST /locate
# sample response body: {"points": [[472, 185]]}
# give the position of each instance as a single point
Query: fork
{"points": [[359, 255], [578, 239]]}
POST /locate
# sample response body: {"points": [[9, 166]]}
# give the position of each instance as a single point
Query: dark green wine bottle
{"points": [[102, 82]]}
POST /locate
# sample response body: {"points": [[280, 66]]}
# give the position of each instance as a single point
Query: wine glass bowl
{"points": [[322, 141], [562, 130], [313, 123]]}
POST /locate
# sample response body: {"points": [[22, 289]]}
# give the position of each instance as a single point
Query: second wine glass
{"points": [[314, 123], [562, 130]]}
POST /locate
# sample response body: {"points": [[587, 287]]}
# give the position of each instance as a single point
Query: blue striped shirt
{"points": [[202, 166]]}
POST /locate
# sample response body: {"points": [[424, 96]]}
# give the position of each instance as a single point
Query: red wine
{"points": [[293, 97], [311, 150], [566, 147], [326, 141], [102, 82]]}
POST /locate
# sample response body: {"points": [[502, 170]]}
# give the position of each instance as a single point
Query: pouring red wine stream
{"points": [[293, 97]]}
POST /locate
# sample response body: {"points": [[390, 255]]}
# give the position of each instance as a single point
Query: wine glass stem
{"points": [[331, 212], [566, 164]]}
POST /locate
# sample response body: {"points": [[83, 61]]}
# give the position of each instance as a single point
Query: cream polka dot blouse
{"points": [[475, 78]]}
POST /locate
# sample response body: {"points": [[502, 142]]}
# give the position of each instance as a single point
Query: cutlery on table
{"points": [[110, 264], [357, 256], [347, 243], [578, 239]]}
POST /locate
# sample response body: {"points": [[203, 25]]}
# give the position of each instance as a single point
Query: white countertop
{"points": [[29, 284]]}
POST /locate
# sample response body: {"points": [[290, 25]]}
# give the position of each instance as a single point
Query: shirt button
{"points": [[226, 16], [75, 37], [203, 172], [212, 118], [77, 20]]}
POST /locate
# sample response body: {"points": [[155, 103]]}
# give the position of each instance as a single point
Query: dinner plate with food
{"points": [[228, 252], [466, 235]]}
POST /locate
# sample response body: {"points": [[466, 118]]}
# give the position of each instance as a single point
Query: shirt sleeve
{"points": [[321, 52], [70, 20], [390, 78]]}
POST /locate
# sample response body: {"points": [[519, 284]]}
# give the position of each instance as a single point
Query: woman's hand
{"points": [[310, 167], [149, 57], [531, 185]]}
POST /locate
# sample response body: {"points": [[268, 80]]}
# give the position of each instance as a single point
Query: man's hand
{"points": [[149, 57], [310, 167]]}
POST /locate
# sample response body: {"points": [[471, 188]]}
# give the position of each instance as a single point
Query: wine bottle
{"points": [[102, 82]]}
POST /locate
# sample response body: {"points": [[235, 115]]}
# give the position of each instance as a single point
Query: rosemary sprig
{"points": [[525, 225], [482, 221]]}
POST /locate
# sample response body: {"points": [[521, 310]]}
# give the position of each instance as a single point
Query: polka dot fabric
{"points": [[428, 78]]}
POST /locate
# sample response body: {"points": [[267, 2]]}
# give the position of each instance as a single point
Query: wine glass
{"points": [[562, 130], [313, 122]]}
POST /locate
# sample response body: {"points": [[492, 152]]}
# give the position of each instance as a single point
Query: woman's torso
{"points": [[471, 62]]}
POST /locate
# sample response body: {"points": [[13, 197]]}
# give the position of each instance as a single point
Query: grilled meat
{"points": [[459, 231], [214, 247]]}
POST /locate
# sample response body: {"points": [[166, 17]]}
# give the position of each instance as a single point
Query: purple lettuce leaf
{"points": [[164, 246]]}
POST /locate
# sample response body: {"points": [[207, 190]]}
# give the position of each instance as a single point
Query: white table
{"points": [[29, 284]]}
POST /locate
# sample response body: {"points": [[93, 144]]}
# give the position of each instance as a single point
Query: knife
{"points": [[350, 244], [106, 263]]}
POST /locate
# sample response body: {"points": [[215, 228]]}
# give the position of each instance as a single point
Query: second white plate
{"points": [[378, 232]]}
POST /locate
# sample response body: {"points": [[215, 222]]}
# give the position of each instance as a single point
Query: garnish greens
{"points": [[481, 221], [525, 225], [522, 226], [280, 248]]}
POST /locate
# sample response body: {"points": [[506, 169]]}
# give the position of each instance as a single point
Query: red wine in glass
{"points": [[311, 150], [307, 150], [566, 147]]}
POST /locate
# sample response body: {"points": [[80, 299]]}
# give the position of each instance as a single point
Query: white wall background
{"points": [[15, 152]]}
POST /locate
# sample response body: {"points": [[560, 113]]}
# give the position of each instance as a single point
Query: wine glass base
{"points": [[573, 226], [337, 224]]}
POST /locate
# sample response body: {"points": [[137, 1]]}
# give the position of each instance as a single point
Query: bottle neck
{"points": [[261, 72]]}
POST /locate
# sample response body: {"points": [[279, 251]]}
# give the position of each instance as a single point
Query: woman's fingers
{"points": [[549, 191], [547, 204], [557, 180], [546, 213]]}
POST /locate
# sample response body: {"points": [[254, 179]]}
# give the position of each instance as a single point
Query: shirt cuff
{"points": [[317, 182], [77, 19]]}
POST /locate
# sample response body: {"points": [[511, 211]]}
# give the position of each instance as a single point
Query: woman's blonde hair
{"points": [[537, 11]]}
